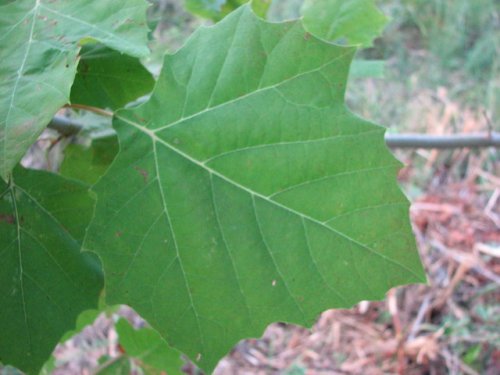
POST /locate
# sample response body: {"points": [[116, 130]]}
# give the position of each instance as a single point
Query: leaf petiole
{"points": [[96, 110]]}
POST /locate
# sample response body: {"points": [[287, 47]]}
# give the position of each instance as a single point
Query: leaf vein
{"points": [[250, 94], [238, 185], [226, 246], [176, 246]]}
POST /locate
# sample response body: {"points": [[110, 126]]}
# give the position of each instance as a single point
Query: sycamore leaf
{"points": [[252, 194], [350, 22], [109, 79], [148, 350], [45, 281], [39, 54], [217, 9]]}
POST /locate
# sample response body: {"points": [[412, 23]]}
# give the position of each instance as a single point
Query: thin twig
{"points": [[443, 141], [488, 121], [65, 126], [420, 317], [459, 258]]}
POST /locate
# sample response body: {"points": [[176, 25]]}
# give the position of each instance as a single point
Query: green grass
{"points": [[436, 51]]}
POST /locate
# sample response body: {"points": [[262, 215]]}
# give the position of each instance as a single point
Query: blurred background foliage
{"points": [[434, 69], [449, 47], [433, 44]]}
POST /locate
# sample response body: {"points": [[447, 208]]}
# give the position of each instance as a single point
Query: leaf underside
{"points": [[249, 193], [45, 282], [39, 55]]}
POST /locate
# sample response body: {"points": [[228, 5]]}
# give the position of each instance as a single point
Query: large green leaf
{"points": [[249, 193], [217, 9], [109, 79], [344, 21], [39, 54], [45, 282]]}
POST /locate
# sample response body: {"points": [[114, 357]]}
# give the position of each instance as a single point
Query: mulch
{"points": [[450, 326]]}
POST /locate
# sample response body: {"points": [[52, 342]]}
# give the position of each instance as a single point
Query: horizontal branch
{"points": [[443, 141], [67, 127]]}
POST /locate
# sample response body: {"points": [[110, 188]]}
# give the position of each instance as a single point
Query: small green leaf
{"points": [[352, 22], [472, 354], [39, 54], [248, 192], [45, 282], [148, 349], [88, 164], [84, 319], [116, 366], [88, 317], [217, 9], [109, 79]]}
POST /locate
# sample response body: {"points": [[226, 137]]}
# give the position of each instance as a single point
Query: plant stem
{"points": [[84, 107]]}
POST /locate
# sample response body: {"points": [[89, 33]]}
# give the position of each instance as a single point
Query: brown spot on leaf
{"points": [[84, 67], [7, 218], [140, 119], [118, 234], [143, 173], [307, 36]]}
